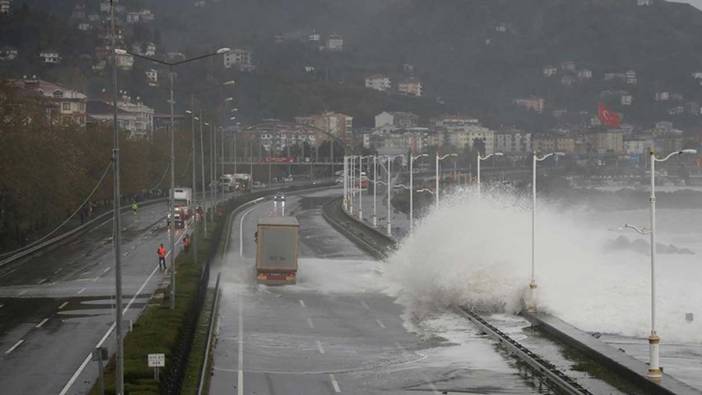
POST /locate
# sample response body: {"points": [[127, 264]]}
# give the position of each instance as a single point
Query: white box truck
{"points": [[277, 249]]}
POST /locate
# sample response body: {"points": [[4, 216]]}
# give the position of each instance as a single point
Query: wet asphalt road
{"points": [[335, 332], [57, 305]]}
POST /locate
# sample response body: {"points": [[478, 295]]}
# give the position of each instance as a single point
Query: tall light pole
{"points": [[654, 370], [346, 176], [116, 223], [389, 192], [193, 118], [375, 188], [480, 159], [360, 185], [531, 305], [352, 173], [411, 188], [439, 159], [171, 102], [202, 173]]}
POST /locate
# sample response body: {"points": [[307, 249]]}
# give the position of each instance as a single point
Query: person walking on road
{"points": [[186, 244], [161, 257], [135, 207]]}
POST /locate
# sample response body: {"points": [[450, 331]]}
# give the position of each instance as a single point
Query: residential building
{"points": [[101, 113], [399, 120], [146, 16], [378, 82], [150, 49], [511, 142], [84, 26], [584, 74], [637, 145], [152, 77], [410, 87], [567, 80], [335, 42], [5, 7], [553, 142], [279, 138], [314, 36], [133, 17], [644, 3], [532, 103], [603, 142], [469, 135], [144, 116], [50, 57], [63, 105], [625, 100], [237, 57], [662, 96], [568, 65], [630, 77], [550, 71], [8, 54], [124, 61], [329, 123], [501, 27]]}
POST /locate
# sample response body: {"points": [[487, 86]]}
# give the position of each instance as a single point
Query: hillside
{"points": [[477, 56]]}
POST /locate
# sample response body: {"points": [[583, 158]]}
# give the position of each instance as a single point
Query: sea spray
{"points": [[476, 252]]}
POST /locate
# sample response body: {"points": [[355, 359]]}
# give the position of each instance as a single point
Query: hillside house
{"points": [[396, 119], [152, 77], [644, 3], [335, 42], [378, 82], [237, 57], [630, 77], [550, 71], [568, 65], [5, 7], [50, 57], [585, 74], [532, 103], [8, 53], [410, 87], [63, 105], [625, 100]]}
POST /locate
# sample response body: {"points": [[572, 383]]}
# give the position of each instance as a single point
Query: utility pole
{"points": [[194, 182], [117, 226], [202, 168], [171, 202]]}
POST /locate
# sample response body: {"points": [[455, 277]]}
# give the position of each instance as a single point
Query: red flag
{"points": [[608, 118]]}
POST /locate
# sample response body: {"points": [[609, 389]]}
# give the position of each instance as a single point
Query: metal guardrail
{"points": [[33, 248], [553, 376], [210, 331]]}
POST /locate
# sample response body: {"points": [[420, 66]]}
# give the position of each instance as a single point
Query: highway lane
{"points": [[59, 304], [336, 331]]}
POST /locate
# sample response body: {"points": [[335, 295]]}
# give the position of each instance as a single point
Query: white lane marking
{"points": [[62, 305], [1, 306], [11, 349], [241, 231], [302, 303], [365, 305], [335, 384], [96, 278], [57, 271], [39, 325], [42, 281], [309, 323], [85, 362], [423, 376], [22, 292], [380, 323], [81, 291], [240, 375], [319, 347], [107, 269]]}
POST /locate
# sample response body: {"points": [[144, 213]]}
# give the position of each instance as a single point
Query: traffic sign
{"points": [[157, 360]]}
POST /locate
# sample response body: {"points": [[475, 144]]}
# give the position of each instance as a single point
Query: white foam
{"points": [[477, 252]]}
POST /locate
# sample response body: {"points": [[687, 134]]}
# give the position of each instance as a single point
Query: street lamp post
{"points": [[411, 188], [202, 173], [480, 159], [345, 180], [438, 159], [654, 370], [531, 305], [375, 189], [193, 118], [116, 223], [389, 220], [171, 102], [360, 185]]}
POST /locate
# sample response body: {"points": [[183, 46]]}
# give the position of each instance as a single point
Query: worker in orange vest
{"points": [[161, 257]]}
